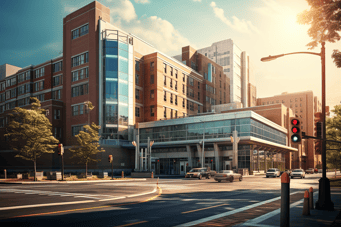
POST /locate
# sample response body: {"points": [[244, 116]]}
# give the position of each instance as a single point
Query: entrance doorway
{"points": [[227, 165], [182, 168]]}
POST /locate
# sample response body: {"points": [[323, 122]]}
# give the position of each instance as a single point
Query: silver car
{"points": [[298, 173], [227, 175], [273, 172]]}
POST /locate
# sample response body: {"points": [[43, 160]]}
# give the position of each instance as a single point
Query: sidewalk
{"points": [[3, 181]]}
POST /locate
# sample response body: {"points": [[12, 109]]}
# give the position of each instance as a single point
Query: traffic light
{"points": [[295, 131], [110, 158], [319, 129], [158, 160], [60, 149], [211, 160]]}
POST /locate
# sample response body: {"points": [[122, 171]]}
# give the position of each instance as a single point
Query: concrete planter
{"points": [[103, 175], [141, 175]]}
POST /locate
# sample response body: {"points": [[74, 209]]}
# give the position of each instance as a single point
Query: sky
{"points": [[31, 32]]}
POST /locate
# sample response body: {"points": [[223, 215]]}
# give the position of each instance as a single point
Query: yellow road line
{"points": [[80, 209], [132, 224], [203, 208]]}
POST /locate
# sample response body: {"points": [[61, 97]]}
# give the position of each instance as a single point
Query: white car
{"points": [[298, 173], [273, 172]]}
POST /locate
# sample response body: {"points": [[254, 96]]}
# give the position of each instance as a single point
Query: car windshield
{"points": [[271, 170], [194, 170], [297, 170], [225, 171]]}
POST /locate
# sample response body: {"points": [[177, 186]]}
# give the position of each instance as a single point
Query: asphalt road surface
{"points": [[140, 203]]}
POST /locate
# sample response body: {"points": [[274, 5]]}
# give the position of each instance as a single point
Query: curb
{"points": [[70, 182]]}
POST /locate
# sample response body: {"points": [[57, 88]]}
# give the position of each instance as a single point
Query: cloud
{"points": [[70, 9], [236, 24], [142, 1], [155, 30]]}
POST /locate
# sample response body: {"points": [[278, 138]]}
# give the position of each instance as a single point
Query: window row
{"points": [[57, 80], [2, 86], [80, 59], [80, 31], [210, 89], [24, 76], [80, 74], [38, 86], [26, 88], [173, 113], [57, 94], [79, 90], [76, 129], [78, 110], [11, 93], [10, 82]]}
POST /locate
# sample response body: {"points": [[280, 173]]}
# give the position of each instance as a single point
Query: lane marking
{"points": [[230, 212], [132, 224], [205, 208], [272, 213], [80, 209]]}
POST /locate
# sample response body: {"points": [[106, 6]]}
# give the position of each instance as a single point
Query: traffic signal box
{"points": [[318, 132], [295, 131], [110, 159]]}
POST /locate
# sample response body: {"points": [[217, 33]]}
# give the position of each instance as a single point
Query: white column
{"points": [[141, 160], [145, 158]]}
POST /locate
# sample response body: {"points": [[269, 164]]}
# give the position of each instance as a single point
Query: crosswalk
{"points": [[61, 194]]}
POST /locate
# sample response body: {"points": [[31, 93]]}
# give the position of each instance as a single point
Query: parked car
{"points": [[273, 172], [298, 173], [227, 175], [310, 170], [316, 170], [198, 173]]}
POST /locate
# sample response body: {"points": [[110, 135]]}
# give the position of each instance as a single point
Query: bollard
{"points": [[306, 210], [285, 200], [311, 198], [122, 174], [5, 171], [157, 182], [152, 176]]}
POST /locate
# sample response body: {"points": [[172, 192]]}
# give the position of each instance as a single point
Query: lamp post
{"points": [[324, 201]]}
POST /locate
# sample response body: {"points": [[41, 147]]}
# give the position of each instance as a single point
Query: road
{"points": [[140, 203]]}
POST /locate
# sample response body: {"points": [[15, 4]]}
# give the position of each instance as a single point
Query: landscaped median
{"points": [[335, 182]]}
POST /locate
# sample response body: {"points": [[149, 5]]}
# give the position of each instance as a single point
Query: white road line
{"points": [[271, 214], [230, 212]]}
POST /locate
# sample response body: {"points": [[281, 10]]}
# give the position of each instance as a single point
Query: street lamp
{"points": [[324, 201]]}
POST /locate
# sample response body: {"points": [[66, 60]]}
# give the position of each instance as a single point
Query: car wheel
{"points": [[301, 177], [291, 177], [231, 179], [240, 178], [200, 177], [267, 176], [208, 176], [219, 181]]}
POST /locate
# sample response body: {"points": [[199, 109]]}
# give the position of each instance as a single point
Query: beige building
{"points": [[304, 105]]}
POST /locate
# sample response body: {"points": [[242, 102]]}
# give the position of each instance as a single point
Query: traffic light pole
{"points": [[112, 170], [62, 167]]}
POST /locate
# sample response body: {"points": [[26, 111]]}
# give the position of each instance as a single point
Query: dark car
{"points": [[198, 173]]}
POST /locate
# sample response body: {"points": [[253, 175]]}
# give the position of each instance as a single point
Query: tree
{"points": [[324, 17], [87, 145], [334, 133], [29, 132]]}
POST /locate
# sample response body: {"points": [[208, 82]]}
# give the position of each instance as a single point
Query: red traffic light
{"points": [[295, 130], [110, 158], [295, 121], [158, 160], [211, 160], [187, 164]]}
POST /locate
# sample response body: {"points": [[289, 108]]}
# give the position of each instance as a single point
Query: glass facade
{"points": [[214, 129], [117, 61]]}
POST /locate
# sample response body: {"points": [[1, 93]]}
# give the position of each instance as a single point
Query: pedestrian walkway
{"points": [[268, 214]]}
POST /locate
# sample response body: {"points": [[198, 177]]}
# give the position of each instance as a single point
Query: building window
{"points": [[13, 93], [151, 79], [80, 31], [79, 90], [152, 65], [80, 59], [183, 78], [57, 114], [176, 74], [183, 103], [164, 80], [176, 99], [198, 109], [171, 83], [220, 83], [41, 97], [171, 98], [75, 110], [39, 85], [137, 79], [152, 111], [56, 67], [8, 95], [57, 80], [199, 96], [2, 86], [151, 94], [21, 102], [190, 92], [165, 96], [74, 76], [171, 71], [191, 81], [137, 111], [137, 94], [76, 129], [57, 94], [137, 65], [176, 85], [8, 83], [39, 72], [183, 89], [164, 68], [164, 112], [198, 85], [171, 113]]}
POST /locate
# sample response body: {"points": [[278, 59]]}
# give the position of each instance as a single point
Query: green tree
{"points": [[334, 133], [87, 146], [324, 17], [29, 132]]}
